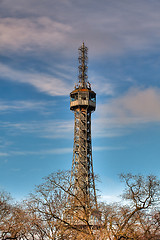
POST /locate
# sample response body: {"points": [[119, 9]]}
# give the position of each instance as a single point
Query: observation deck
{"points": [[84, 98]]}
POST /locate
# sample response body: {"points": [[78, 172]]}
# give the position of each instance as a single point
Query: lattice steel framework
{"points": [[83, 103]]}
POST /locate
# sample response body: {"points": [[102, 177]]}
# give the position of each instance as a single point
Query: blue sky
{"points": [[38, 69]]}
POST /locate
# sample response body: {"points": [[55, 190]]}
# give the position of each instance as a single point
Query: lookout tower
{"points": [[83, 104]]}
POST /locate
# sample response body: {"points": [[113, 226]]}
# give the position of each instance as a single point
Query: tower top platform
{"points": [[82, 96], [82, 90]]}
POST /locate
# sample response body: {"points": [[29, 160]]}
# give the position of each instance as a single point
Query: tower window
{"points": [[74, 97], [92, 97]]}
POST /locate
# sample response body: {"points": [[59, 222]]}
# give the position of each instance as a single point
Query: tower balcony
{"points": [[82, 103], [83, 98]]}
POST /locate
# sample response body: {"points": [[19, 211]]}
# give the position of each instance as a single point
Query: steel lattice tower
{"points": [[83, 103]]}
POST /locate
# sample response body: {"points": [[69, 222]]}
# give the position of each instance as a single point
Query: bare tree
{"points": [[16, 222], [49, 213], [148, 226], [5, 199], [52, 202], [127, 221]]}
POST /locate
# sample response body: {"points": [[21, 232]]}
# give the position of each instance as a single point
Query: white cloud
{"points": [[101, 84], [43, 82], [119, 115], [136, 106], [26, 34], [109, 198], [108, 27]]}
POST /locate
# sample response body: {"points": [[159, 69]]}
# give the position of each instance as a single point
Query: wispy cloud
{"points": [[107, 148], [4, 154], [4, 143], [15, 169], [43, 152], [27, 105], [113, 118], [45, 129], [53, 151], [43, 82], [54, 86]]}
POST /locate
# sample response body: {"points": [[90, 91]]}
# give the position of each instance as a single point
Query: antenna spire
{"points": [[83, 60]]}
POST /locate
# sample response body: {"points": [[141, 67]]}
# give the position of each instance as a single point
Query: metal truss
{"points": [[82, 165]]}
